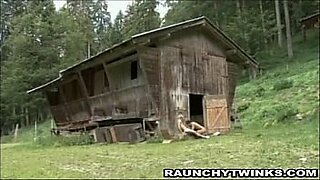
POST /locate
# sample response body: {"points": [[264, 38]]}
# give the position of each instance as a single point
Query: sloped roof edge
{"points": [[309, 16], [44, 85]]}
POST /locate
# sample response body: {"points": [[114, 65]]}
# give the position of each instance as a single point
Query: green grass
{"points": [[279, 113], [250, 148], [26, 134]]}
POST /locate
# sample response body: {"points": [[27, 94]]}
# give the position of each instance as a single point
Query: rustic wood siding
{"points": [[186, 63], [233, 74], [119, 75], [150, 64], [191, 63]]}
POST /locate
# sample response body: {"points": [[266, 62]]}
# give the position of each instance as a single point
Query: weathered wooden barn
{"points": [[141, 84], [310, 22]]}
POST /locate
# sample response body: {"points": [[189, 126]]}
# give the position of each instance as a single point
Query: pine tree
{"points": [[31, 60], [101, 23], [288, 29], [279, 27], [115, 31], [141, 16]]}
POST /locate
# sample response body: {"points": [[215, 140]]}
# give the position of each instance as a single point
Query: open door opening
{"points": [[196, 108]]}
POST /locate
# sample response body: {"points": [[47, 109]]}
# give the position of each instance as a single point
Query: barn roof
{"points": [[310, 16], [163, 31]]}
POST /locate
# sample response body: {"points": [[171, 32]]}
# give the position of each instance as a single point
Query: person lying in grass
{"points": [[191, 128]]}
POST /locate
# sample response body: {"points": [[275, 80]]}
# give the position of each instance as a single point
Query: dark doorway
{"points": [[134, 70], [196, 108]]}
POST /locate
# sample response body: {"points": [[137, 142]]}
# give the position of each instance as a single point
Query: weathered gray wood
{"points": [[169, 70], [122, 60], [85, 92]]}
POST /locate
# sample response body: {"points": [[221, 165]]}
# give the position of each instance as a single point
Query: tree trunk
{"points": [[263, 23], [243, 4], [27, 116], [278, 17], [288, 29], [238, 7], [216, 13]]}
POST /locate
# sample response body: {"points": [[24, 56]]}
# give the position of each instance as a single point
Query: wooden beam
{"points": [[83, 85], [141, 40], [104, 57], [122, 60], [231, 52], [64, 102], [108, 75], [69, 78], [113, 135], [84, 91]]}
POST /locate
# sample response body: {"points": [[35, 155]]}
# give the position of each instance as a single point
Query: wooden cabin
{"points": [[133, 88], [309, 22]]}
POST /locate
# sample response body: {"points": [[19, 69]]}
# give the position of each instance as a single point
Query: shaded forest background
{"points": [[37, 40]]}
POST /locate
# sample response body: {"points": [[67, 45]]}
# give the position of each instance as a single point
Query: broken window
{"points": [[134, 70]]}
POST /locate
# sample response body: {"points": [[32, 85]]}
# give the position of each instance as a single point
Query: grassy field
{"points": [[251, 147], [280, 117]]}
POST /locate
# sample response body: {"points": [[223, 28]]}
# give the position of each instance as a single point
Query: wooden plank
{"points": [[192, 74], [113, 135], [111, 85], [200, 72], [64, 101], [122, 60], [207, 82], [85, 93], [216, 114], [185, 74]]}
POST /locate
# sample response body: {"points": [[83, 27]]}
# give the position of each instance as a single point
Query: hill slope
{"points": [[288, 90]]}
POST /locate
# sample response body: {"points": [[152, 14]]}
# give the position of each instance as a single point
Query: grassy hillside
{"points": [[288, 90], [279, 113]]}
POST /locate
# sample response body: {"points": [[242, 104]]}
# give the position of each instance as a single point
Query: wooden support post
{"points": [[106, 73], [113, 134], [64, 101], [144, 125], [85, 92]]}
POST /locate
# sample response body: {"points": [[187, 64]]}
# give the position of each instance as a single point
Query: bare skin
{"points": [[196, 129]]}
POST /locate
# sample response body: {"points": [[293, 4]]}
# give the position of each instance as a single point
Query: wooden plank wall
{"points": [[127, 98], [233, 74], [190, 64], [119, 75], [171, 82], [150, 64]]}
